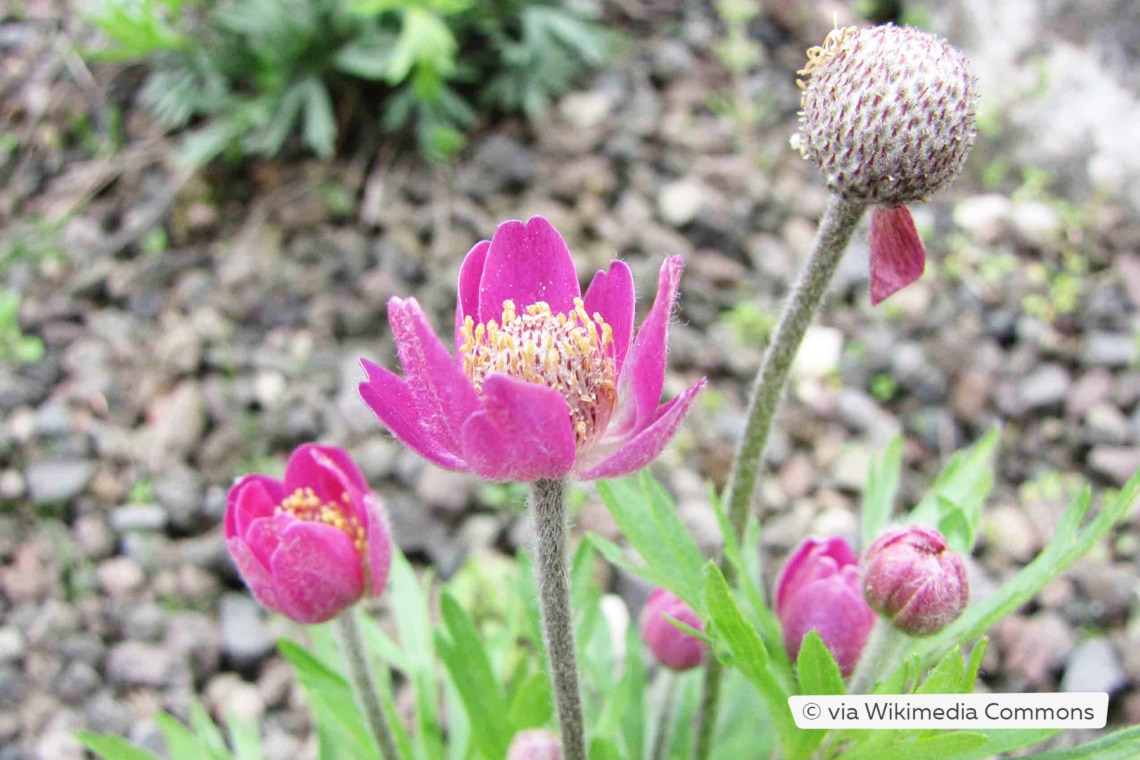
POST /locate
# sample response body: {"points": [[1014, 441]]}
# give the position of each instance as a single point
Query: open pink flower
{"points": [[544, 382], [313, 544], [819, 590]]}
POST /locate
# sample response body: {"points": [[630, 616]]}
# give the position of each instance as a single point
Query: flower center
{"points": [[306, 506], [571, 353]]}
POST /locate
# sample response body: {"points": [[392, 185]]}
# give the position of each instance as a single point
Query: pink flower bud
{"points": [[535, 744], [912, 579], [673, 648], [313, 544], [818, 590]]}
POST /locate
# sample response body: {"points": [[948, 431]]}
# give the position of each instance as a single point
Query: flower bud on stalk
{"points": [[912, 579], [672, 647], [818, 590], [888, 116], [535, 744]]}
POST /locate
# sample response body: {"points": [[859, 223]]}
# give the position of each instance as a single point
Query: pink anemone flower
{"points": [[544, 382], [311, 545]]}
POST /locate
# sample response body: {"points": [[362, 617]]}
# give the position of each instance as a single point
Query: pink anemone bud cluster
{"points": [[819, 590], [535, 744], [888, 115], [314, 543], [672, 647], [544, 381], [912, 579]]}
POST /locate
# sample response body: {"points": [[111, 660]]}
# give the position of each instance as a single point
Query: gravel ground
{"points": [[200, 328]]}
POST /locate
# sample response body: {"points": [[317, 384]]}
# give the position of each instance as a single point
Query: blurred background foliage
{"points": [[248, 77]]}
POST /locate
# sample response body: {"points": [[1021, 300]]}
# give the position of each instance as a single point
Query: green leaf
{"points": [[113, 747], [319, 130], [818, 672], [977, 654], [244, 737], [882, 488], [1121, 745], [332, 701], [648, 518], [947, 677], [602, 748], [750, 656], [424, 41], [1003, 740], [531, 705], [461, 649], [181, 742], [207, 733], [959, 492], [911, 747]]}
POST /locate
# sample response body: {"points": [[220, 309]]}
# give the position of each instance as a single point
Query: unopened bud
{"points": [[888, 113], [673, 648], [912, 579]]}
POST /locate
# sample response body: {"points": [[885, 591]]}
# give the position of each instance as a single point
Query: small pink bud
{"points": [[818, 590], [535, 744], [314, 543], [912, 579], [673, 648]]}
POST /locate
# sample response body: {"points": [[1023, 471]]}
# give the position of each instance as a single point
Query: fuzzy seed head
{"points": [[887, 113]]}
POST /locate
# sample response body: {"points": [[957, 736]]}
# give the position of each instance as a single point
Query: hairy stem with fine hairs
{"points": [[547, 502], [351, 640], [835, 230]]}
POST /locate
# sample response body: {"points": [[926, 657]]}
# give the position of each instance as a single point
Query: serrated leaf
{"points": [[947, 677], [1121, 745], [648, 519], [882, 488], [906, 746], [113, 747], [751, 658], [1002, 740], [962, 486]]}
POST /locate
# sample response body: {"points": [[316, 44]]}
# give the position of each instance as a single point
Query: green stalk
{"points": [[351, 639], [835, 230]]}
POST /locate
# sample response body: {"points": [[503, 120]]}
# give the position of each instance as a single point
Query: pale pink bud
{"points": [[535, 744], [673, 648], [912, 579]]}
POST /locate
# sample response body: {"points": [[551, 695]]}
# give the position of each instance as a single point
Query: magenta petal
{"points": [[391, 399], [325, 469], [897, 255], [835, 608], [264, 535], [254, 573], [522, 434], [813, 559], [611, 295], [251, 497], [318, 572], [527, 263], [379, 543], [443, 396], [645, 445], [643, 375], [467, 297]]}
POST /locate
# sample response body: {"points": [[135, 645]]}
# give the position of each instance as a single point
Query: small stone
{"points": [[1089, 389], [245, 638], [119, 576], [444, 490], [1107, 349], [57, 482], [178, 422], [586, 110], [12, 645], [179, 491], [94, 537], [679, 202], [1045, 387], [196, 638], [133, 664], [970, 395], [1035, 646], [851, 468], [1009, 531], [985, 217], [145, 517], [228, 694], [1035, 222], [77, 682], [1105, 423], [860, 413], [1116, 463], [819, 354], [797, 477], [1094, 666], [11, 485]]}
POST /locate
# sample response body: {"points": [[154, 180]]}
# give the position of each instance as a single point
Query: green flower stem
{"points": [[547, 501], [835, 230], [351, 639], [880, 656]]}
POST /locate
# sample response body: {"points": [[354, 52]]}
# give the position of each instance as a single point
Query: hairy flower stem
{"points": [[351, 640], [548, 509], [835, 230], [879, 657]]}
